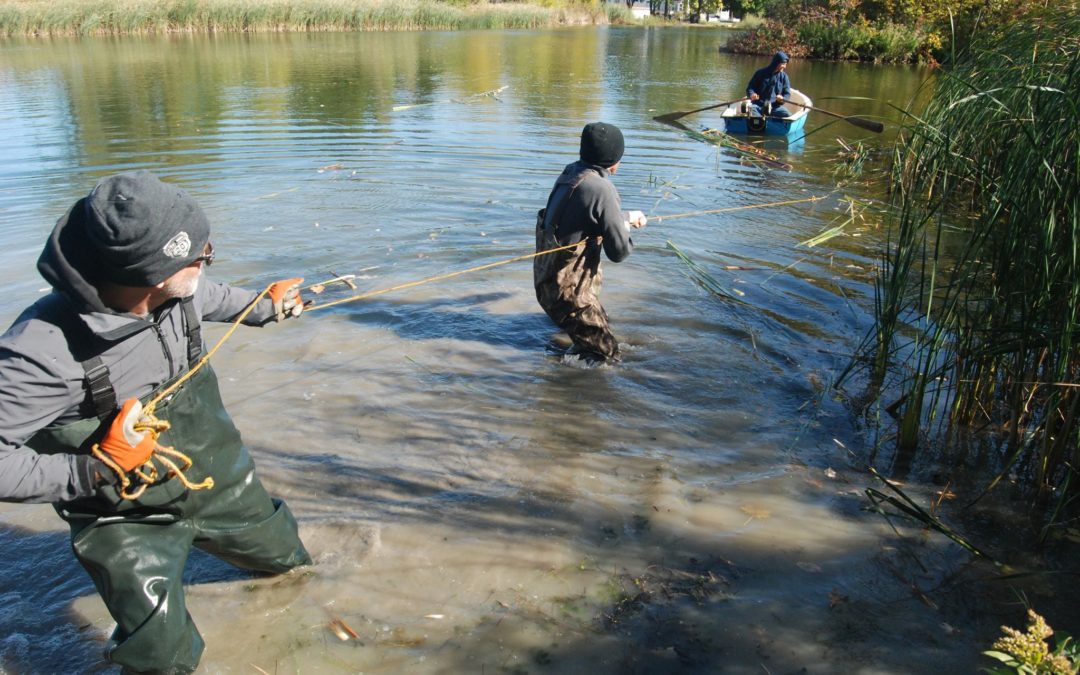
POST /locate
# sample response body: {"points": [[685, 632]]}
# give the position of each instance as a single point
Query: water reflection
{"points": [[441, 462]]}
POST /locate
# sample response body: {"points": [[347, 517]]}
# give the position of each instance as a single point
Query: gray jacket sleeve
{"points": [[33, 393], [607, 211], [221, 302]]}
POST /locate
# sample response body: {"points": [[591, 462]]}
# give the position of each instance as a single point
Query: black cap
{"points": [[601, 144], [141, 229]]}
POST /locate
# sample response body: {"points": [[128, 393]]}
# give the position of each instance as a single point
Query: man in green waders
{"points": [[584, 207], [121, 323]]}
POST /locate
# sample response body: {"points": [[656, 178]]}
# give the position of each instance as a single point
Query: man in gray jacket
{"points": [[584, 207], [121, 324]]}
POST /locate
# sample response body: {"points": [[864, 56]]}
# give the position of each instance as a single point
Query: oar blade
{"points": [[670, 117], [863, 123], [674, 116]]}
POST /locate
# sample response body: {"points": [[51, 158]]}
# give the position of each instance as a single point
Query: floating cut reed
{"points": [[982, 269], [111, 17]]}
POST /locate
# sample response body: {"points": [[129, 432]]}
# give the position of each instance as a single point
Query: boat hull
{"points": [[764, 126], [736, 122]]}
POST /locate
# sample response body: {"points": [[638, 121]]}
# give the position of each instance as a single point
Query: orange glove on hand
{"points": [[286, 298], [125, 446]]}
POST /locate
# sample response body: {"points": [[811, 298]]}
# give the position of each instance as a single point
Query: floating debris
{"points": [[494, 93], [342, 630], [748, 151]]}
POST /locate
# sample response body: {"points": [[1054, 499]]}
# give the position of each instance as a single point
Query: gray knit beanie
{"points": [[142, 229]]}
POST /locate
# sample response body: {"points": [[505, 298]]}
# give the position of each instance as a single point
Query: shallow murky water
{"points": [[475, 504]]}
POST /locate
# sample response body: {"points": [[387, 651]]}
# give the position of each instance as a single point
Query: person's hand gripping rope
{"points": [[130, 445], [127, 447], [285, 295]]}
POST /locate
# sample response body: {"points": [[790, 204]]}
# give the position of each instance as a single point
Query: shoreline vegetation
{"points": [[913, 31], [70, 18], [977, 306], [889, 31]]}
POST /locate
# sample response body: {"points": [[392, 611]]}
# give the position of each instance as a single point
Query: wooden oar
{"points": [[672, 116], [869, 125]]}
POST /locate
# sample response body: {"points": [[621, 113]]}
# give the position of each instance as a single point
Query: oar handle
{"points": [[671, 117], [861, 122], [718, 105]]}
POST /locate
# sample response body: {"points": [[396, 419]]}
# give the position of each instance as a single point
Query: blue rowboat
{"points": [[737, 121]]}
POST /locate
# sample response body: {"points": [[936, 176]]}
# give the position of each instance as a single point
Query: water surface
{"points": [[475, 503]]}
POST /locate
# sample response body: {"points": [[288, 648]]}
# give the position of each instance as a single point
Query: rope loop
{"points": [[147, 473], [172, 459]]}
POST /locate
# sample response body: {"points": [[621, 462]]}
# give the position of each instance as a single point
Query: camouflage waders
{"points": [[568, 288], [135, 550]]}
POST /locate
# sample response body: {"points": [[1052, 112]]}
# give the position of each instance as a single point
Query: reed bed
{"points": [[119, 17], [978, 300]]}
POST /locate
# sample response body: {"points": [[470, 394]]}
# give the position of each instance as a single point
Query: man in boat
{"points": [[584, 208], [123, 322], [769, 87]]}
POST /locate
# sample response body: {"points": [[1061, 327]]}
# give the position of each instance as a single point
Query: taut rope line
{"points": [[441, 277], [738, 208], [450, 275], [148, 423]]}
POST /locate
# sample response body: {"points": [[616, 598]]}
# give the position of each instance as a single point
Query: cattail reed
{"points": [[978, 299]]}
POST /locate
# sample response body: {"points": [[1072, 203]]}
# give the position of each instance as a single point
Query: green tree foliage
{"points": [[744, 7], [879, 30], [697, 7]]}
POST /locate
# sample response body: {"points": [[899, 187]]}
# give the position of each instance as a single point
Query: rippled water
{"points": [[475, 504]]}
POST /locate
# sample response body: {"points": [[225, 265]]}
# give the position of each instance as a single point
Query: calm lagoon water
{"points": [[475, 504]]}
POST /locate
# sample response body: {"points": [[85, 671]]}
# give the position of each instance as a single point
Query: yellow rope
{"points": [[441, 277], [148, 423], [174, 461], [737, 208], [148, 410]]}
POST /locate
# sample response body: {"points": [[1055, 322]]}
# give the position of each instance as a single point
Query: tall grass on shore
{"points": [[979, 297], [115, 17]]}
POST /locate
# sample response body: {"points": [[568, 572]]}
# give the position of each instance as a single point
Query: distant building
{"points": [[642, 9]]}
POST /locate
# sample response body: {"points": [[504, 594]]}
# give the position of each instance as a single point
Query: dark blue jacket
{"points": [[767, 84]]}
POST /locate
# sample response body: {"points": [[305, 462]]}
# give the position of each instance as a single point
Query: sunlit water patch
{"points": [[475, 504]]}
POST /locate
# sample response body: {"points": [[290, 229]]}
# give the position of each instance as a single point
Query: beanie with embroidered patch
{"points": [[142, 229]]}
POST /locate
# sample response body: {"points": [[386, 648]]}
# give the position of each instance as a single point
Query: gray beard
{"points": [[181, 289]]}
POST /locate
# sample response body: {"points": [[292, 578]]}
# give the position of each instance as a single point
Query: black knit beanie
{"points": [[601, 144], [142, 230]]}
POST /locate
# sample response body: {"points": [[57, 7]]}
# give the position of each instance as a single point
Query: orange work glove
{"points": [[125, 446], [286, 298]]}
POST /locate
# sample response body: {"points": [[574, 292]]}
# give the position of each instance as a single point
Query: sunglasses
{"points": [[207, 257]]}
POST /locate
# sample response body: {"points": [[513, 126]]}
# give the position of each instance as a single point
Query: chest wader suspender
{"points": [[101, 396], [102, 404], [546, 268]]}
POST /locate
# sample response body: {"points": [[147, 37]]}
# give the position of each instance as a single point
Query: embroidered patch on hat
{"points": [[179, 246]]}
